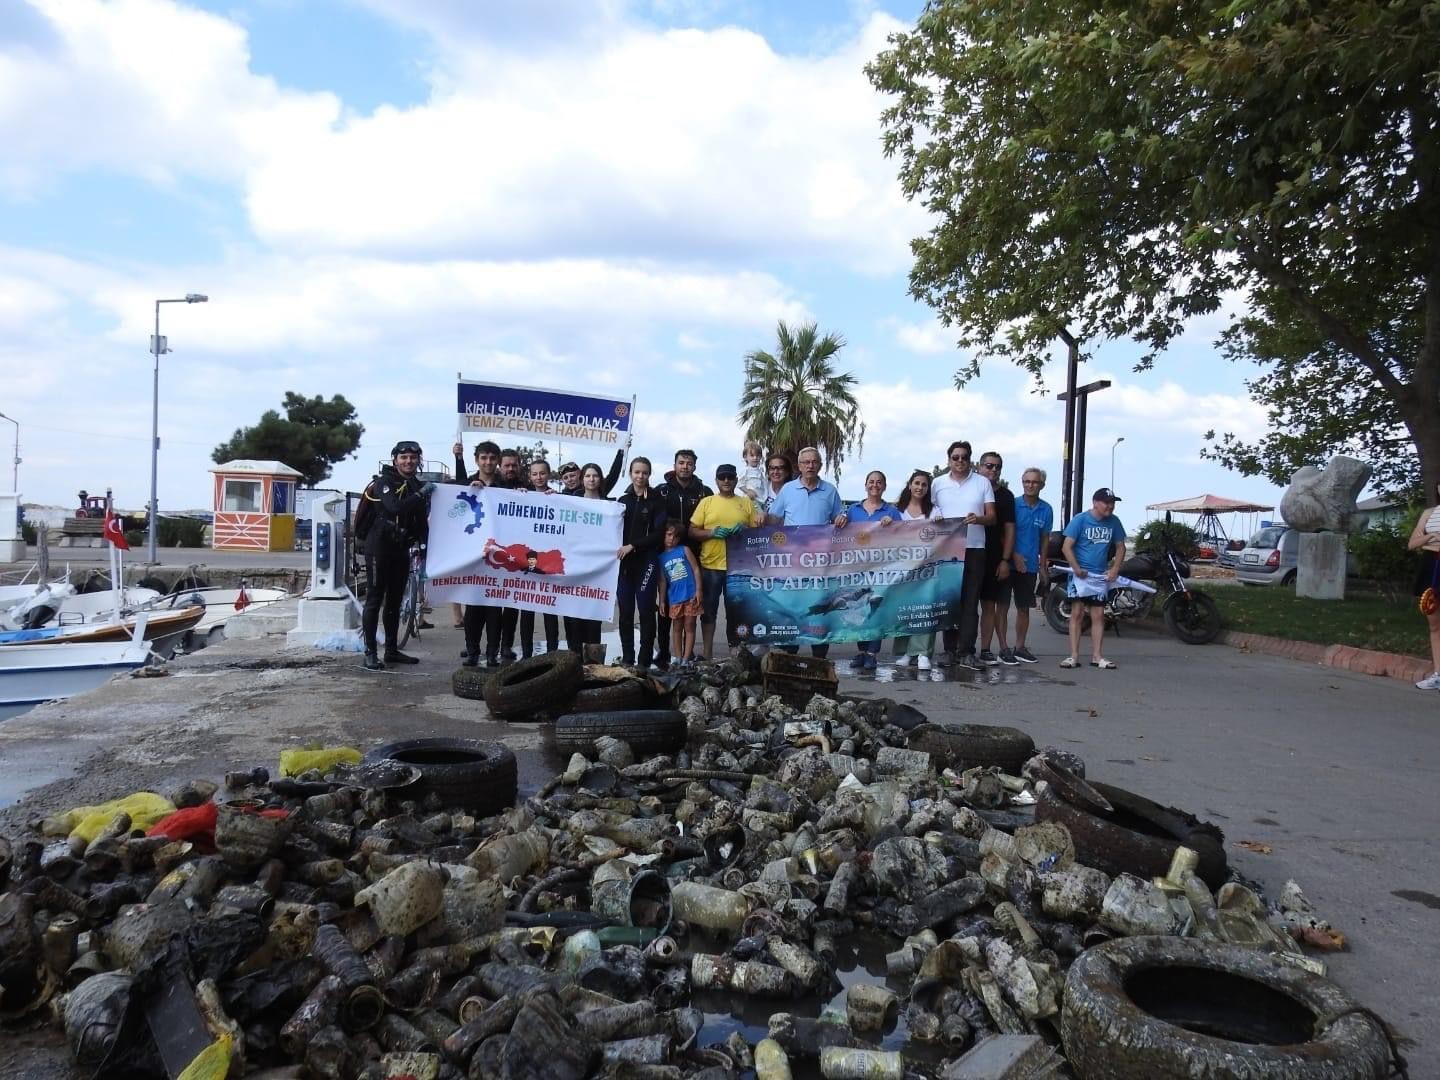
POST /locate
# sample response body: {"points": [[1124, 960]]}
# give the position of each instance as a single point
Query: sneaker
{"points": [[1025, 656], [988, 658], [944, 659], [395, 656], [923, 663], [471, 660], [492, 661], [425, 624], [1008, 658], [508, 656], [1430, 682], [372, 661], [907, 660], [857, 662], [969, 661]]}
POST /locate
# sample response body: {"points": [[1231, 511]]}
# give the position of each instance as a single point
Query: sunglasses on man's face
{"points": [[958, 457]]}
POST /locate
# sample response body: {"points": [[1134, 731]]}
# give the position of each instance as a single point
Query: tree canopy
{"points": [[312, 436], [794, 397], [1116, 169]]}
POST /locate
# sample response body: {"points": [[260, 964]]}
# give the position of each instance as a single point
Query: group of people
{"points": [[672, 560]]}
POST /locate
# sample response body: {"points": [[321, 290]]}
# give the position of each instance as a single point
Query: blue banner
{"points": [[812, 584], [521, 414]]}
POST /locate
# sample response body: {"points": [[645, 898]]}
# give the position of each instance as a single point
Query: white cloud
{"points": [[926, 337], [686, 367], [148, 88]]}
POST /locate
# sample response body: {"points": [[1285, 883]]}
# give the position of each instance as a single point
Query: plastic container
{"points": [[707, 906]]}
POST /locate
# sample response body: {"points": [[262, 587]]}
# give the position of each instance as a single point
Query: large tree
{"points": [[312, 436], [1116, 169], [794, 397]]}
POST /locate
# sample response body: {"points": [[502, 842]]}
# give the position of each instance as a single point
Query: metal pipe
{"points": [[1071, 374], [15, 464], [157, 346]]}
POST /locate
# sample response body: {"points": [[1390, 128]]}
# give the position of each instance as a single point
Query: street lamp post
{"points": [[15, 464], [158, 346], [1116, 443]]}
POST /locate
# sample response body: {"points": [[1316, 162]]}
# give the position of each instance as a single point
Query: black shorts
{"points": [[993, 589], [1022, 587]]}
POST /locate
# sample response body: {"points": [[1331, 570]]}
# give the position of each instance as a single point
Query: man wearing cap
{"points": [[401, 507], [715, 518], [1094, 547]]}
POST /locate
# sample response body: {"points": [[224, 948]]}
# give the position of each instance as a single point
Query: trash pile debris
{"points": [[402, 916]]}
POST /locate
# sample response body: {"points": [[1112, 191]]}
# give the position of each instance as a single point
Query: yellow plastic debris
{"points": [[144, 807], [212, 1063], [295, 762]]}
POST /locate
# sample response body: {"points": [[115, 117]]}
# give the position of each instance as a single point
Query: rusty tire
{"points": [[1155, 1008], [1138, 837], [969, 745], [478, 776], [536, 684], [648, 731]]}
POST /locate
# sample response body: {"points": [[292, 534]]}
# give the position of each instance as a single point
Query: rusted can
{"points": [[59, 940], [632, 898], [320, 1008], [845, 1063], [243, 837], [645, 1050], [869, 1007], [248, 898], [709, 972], [363, 1004]]}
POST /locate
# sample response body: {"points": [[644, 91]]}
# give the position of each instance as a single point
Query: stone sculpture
{"points": [[1323, 500]]}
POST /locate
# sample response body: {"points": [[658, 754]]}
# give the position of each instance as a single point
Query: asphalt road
{"points": [[1333, 771]]}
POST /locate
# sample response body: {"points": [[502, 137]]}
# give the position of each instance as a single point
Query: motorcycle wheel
{"points": [[1057, 610], [1195, 619]]}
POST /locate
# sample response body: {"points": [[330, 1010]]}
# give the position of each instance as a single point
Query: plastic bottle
{"points": [[707, 906], [770, 1061]]}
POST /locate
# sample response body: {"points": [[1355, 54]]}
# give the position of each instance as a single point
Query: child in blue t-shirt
{"points": [[680, 599], [1088, 540]]}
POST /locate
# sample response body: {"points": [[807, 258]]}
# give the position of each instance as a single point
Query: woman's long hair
{"points": [[903, 502]]}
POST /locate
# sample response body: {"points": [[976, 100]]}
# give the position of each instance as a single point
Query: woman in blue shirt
{"points": [[872, 508]]}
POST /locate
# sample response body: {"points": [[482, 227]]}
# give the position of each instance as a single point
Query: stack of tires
{"points": [[556, 684]]}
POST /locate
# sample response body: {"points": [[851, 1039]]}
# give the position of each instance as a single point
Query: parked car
{"points": [[1269, 557]]}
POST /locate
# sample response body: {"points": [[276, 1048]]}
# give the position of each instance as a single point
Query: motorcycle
{"points": [[1189, 613]]}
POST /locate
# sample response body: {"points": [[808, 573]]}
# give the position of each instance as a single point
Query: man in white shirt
{"points": [[966, 496]]}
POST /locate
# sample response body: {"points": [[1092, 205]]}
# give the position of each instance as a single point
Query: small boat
{"points": [[49, 671], [219, 604], [64, 607], [161, 629]]}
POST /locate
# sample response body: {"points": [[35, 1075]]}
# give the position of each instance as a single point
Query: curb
{"points": [[1346, 657]]}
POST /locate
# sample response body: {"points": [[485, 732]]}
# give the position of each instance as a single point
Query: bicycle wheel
{"points": [[409, 610]]}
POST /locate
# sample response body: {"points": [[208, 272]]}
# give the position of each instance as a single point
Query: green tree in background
{"points": [[312, 436], [1115, 170], [794, 397]]}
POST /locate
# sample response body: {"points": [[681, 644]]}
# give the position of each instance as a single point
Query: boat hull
{"points": [[53, 671]]}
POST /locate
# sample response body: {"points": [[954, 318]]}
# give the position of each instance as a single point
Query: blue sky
{"points": [[589, 194]]}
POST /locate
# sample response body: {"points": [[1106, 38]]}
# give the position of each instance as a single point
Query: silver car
{"points": [[1269, 557]]}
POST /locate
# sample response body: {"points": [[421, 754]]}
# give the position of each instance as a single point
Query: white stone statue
{"points": [[1323, 500]]}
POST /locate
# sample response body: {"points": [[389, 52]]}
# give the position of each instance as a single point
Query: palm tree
{"points": [[795, 398]]}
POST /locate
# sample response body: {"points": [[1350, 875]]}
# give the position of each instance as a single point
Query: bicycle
{"points": [[412, 603]]}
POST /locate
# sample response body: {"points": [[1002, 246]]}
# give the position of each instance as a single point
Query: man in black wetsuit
{"points": [[400, 510]]}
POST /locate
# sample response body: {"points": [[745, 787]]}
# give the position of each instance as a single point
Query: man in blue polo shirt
{"points": [[1094, 547], [808, 500], [1034, 518]]}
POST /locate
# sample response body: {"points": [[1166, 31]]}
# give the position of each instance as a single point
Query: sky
{"points": [[615, 196]]}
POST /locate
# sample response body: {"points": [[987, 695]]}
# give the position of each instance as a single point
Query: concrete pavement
{"points": [[1332, 769]]}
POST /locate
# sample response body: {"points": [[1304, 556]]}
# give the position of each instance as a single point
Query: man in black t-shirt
{"points": [[995, 591]]}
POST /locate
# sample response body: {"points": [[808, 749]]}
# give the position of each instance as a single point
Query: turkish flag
{"points": [[243, 600], [114, 533]]}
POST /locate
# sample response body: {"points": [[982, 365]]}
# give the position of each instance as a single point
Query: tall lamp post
{"points": [[15, 464], [1116, 443], [157, 346]]}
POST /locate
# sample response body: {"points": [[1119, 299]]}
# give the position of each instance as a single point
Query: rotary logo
{"points": [[862, 538], [778, 539], [622, 410]]}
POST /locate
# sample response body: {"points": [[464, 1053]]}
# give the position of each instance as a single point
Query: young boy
{"points": [[752, 477], [680, 599]]}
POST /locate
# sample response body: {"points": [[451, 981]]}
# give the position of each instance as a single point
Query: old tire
{"points": [[1057, 610], [648, 731], [1195, 619], [969, 745], [535, 685], [470, 682], [611, 696], [477, 776], [1139, 836], [1162, 1007]]}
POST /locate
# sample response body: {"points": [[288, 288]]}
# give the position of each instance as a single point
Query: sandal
{"points": [[1069, 662], [1107, 665]]}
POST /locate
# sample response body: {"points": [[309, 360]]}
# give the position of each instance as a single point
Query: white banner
{"points": [[522, 549]]}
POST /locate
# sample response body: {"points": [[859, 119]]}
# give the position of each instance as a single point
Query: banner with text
{"points": [[518, 414], [521, 549], [811, 584]]}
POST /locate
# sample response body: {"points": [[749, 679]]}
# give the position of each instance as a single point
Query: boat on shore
{"points": [[162, 629]]}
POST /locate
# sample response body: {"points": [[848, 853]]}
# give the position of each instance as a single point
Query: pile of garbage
{"points": [[378, 918]]}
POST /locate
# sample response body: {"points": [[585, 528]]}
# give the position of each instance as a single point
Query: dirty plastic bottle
{"points": [[707, 906], [579, 948], [1073, 893], [842, 1063], [1134, 906], [770, 1061]]}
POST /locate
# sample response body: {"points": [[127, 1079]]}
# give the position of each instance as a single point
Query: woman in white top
{"points": [[914, 502], [1426, 540]]}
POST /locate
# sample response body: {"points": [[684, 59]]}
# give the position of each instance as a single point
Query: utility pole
{"points": [[1076, 405]]}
